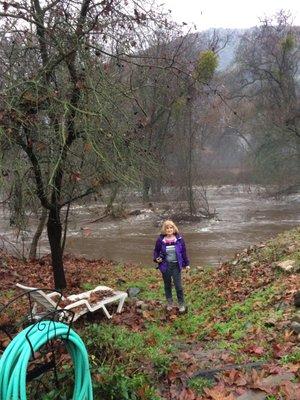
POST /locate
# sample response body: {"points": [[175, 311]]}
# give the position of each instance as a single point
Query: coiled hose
{"points": [[14, 361]]}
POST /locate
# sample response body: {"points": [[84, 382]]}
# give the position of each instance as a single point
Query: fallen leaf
{"points": [[255, 350], [187, 394], [218, 393], [293, 367]]}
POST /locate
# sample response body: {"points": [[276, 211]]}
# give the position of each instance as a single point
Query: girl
{"points": [[170, 254]]}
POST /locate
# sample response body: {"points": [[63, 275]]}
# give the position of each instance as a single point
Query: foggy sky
{"points": [[228, 14]]}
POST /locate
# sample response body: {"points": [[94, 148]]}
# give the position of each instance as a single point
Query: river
{"points": [[243, 218]]}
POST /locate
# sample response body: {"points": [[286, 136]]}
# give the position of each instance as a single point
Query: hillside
{"points": [[232, 39]]}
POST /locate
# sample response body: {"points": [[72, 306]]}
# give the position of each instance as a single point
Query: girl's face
{"points": [[169, 230]]}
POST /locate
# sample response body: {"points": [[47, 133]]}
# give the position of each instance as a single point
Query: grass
{"points": [[294, 357], [198, 384]]}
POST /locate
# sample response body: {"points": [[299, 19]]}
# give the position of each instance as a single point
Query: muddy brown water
{"points": [[243, 219]]}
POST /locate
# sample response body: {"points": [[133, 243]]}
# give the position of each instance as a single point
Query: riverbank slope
{"points": [[235, 342]]}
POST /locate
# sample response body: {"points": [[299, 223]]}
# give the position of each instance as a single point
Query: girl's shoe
{"points": [[169, 306], [182, 308]]}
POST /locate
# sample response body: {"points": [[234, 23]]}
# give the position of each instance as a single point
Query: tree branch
{"points": [[87, 193], [36, 169]]}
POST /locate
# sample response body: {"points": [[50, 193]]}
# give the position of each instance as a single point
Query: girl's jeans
{"points": [[173, 271]]}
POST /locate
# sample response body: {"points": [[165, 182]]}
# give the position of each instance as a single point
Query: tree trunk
{"points": [[63, 244], [37, 235], [156, 188], [54, 230], [190, 194], [112, 198], [146, 190]]}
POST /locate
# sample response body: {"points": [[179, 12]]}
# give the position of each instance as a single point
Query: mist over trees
{"points": [[265, 79], [96, 98]]}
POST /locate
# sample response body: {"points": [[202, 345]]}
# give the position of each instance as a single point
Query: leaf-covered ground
{"points": [[234, 342]]}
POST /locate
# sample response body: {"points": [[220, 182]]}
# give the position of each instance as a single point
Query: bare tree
{"points": [[268, 90], [62, 101]]}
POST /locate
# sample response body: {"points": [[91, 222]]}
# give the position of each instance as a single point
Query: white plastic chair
{"points": [[46, 300]]}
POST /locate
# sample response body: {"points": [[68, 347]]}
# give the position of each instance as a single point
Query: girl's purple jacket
{"points": [[160, 251]]}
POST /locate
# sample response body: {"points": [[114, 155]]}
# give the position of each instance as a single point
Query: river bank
{"points": [[239, 316]]}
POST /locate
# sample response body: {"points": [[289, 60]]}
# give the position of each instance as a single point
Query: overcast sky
{"points": [[228, 13]]}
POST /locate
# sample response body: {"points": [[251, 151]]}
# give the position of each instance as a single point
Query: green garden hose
{"points": [[14, 361]]}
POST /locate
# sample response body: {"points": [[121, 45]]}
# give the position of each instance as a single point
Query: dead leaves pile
{"points": [[79, 272], [271, 381]]}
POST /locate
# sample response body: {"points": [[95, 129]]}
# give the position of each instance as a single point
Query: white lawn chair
{"points": [[79, 301]]}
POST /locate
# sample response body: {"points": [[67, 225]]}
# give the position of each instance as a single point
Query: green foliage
{"points": [[162, 337], [276, 155], [161, 363], [87, 286], [291, 358], [259, 299], [190, 323], [179, 104], [109, 343], [198, 384], [206, 66], [226, 345], [106, 345], [120, 386], [111, 340], [61, 392], [241, 316], [288, 43]]}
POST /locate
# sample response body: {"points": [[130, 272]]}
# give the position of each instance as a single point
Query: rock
{"points": [[246, 259], [270, 322], [295, 327], [261, 246], [3, 263], [287, 265], [281, 305], [296, 317], [254, 264], [297, 299], [292, 248], [16, 274], [270, 381], [142, 305], [135, 212], [274, 380], [252, 395], [120, 281], [133, 291]]}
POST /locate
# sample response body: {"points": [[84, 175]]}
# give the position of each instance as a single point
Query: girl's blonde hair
{"points": [[166, 223]]}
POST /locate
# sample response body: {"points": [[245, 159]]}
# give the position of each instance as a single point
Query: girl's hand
{"points": [[159, 259]]}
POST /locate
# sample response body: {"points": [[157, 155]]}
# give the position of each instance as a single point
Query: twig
{"points": [[210, 373]]}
